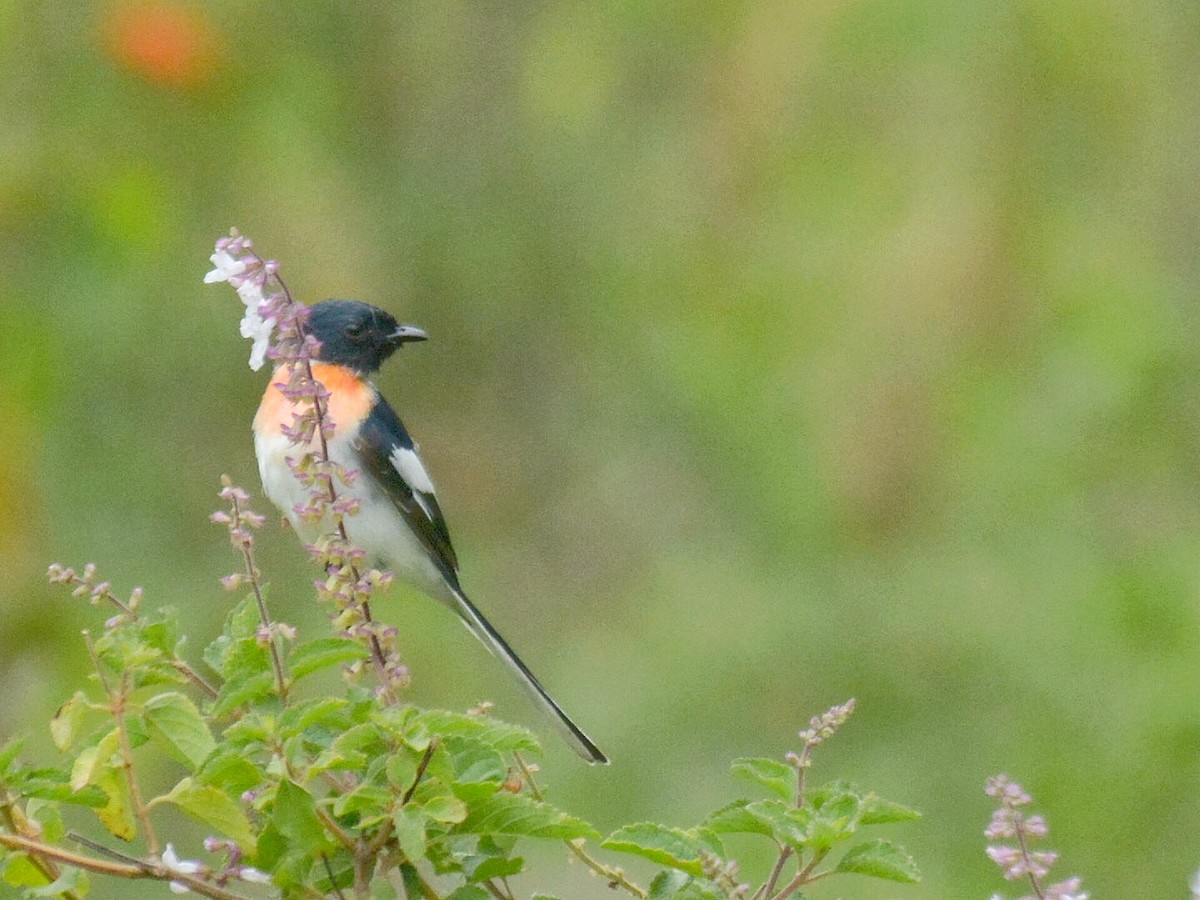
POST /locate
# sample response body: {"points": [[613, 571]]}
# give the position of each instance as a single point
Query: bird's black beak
{"points": [[406, 334]]}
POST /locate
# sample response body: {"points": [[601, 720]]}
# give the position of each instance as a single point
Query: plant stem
{"points": [[140, 869], [615, 877], [252, 574], [135, 792], [377, 654]]}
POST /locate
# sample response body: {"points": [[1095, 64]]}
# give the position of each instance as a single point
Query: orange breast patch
{"points": [[350, 399]]}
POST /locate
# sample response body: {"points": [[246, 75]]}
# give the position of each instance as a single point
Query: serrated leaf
{"points": [[736, 818], [116, 815], [243, 690], [174, 719], [522, 816], [834, 821], [777, 777], [877, 811], [313, 656], [475, 762], [322, 711], [672, 847], [498, 735], [786, 824], [880, 859], [484, 868], [214, 808], [675, 885]]}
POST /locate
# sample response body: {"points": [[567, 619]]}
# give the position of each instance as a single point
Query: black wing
{"points": [[388, 454]]}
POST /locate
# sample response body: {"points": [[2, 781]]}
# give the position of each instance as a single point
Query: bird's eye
{"points": [[356, 331]]}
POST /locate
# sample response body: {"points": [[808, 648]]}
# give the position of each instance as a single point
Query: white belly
{"points": [[377, 528]]}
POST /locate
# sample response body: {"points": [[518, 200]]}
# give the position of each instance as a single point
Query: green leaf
{"points": [[500, 736], [880, 859], [68, 721], [522, 816], [92, 762], [116, 815], [243, 690], [469, 892], [444, 808], [9, 753], [214, 808], [835, 820], [672, 847], [51, 784], [231, 771], [777, 777], [409, 826], [326, 712], [677, 885], [19, 871], [241, 624], [475, 762], [70, 880], [370, 802], [174, 720], [313, 656], [295, 816], [483, 868], [736, 818], [877, 811]]}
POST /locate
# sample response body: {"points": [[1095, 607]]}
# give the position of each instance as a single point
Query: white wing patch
{"points": [[412, 470]]}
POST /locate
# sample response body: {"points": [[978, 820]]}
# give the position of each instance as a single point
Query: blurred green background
{"points": [[782, 352]]}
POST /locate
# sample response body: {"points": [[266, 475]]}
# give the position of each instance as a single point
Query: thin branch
{"points": [[14, 818], [377, 655], [615, 877], [140, 869], [421, 767], [135, 792], [252, 575]]}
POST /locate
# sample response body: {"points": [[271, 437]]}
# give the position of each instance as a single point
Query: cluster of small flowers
{"points": [[822, 727], [275, 322], [241, 522], [235, 263], [1009, 822], [195, 869], [725, 874], [85, 585]]}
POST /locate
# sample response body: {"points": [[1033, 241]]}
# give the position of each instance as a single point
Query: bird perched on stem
{"points": [[398, 521]]}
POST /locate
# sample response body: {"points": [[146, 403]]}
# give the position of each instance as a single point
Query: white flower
{"points": [[248, 277], [259, 330], [253, 875], [172, 863], [225, 267]]}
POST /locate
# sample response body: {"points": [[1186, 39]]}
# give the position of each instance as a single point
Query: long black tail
{"points": [[482, 629]]}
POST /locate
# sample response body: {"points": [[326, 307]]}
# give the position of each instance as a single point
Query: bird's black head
{"points": [[357, 335]]}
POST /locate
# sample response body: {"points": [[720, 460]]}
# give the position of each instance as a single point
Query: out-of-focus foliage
{"points": [[781, 352]]}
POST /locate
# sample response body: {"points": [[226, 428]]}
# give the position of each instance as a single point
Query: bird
{"points": [[399, 524]]}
